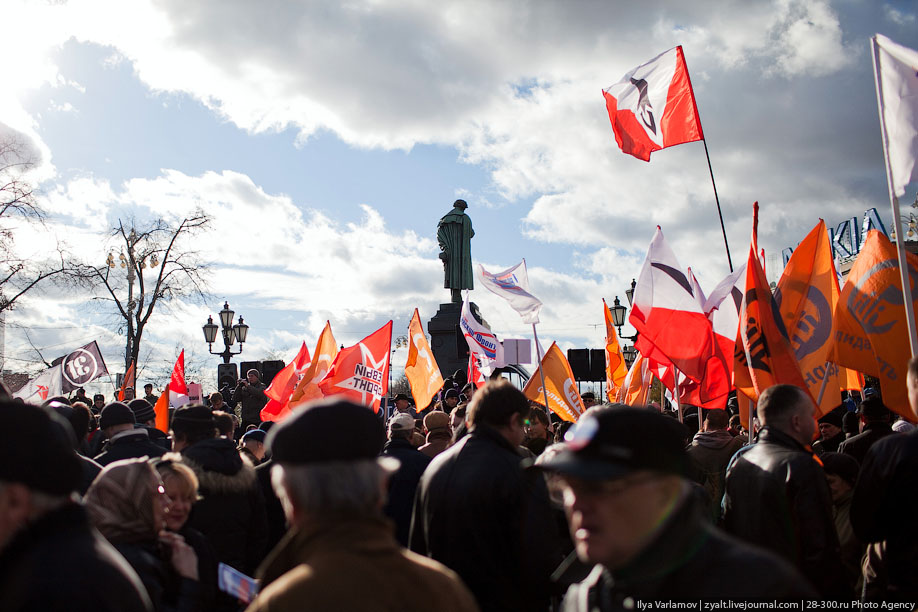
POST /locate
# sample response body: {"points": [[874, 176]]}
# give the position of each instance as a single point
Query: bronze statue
{"points": [[454, 233]]}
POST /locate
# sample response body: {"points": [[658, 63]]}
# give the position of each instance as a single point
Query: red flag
{"points": [[128, 381], [671, 324], [361, 372], [474, 375], [177, 381], [763, 355], [283, 385], [653, 106]]}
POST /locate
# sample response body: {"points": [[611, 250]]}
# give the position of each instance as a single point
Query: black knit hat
{"points": [[116, 413], [36, 449], [328, 430], [619, 440], [194, 414], [143, 410], [832, 418]]}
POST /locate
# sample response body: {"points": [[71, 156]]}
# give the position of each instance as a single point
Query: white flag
{"points": [[513, 285], [898, 99], [482, 341], [45, 385]]}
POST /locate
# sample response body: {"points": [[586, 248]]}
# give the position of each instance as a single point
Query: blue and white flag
{"points": [[482, 341], [513, 285]]}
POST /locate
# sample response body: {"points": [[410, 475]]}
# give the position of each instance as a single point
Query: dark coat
{"points": [[168, 591], [710, 453], [882, 509], [277, 520], [480, 514], [90, 469], [231, 513], [207, 566], [829, 446], [691, 560], [403, 484], [857, 446], [253, 399], [777, 497], [129, 446], [60, 562], [438, 441]]}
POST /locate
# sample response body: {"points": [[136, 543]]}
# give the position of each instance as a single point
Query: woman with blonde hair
{"points": [[127, 503]]}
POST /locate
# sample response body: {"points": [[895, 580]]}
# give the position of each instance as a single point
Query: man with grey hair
{"points": [[340, 552], [777, 496]]}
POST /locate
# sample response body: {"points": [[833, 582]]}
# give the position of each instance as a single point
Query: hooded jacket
{"points": [[231, 513]]}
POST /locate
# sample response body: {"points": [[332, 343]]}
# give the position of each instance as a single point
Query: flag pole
{"points": [[720, 214], [822, 387], [541, 373], [700, 419], [894, 203], [676, 393]]}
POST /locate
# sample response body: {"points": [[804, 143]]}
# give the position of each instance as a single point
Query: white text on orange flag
{"points": [[563, 398]]}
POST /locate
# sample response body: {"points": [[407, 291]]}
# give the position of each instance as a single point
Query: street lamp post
{"points": [[231, 333], [130, 262]]}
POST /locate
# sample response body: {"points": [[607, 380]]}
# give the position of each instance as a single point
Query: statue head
{"points": [[460, 204]]}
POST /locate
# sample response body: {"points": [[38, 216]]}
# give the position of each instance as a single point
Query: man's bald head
{"points": [[788, 409]]}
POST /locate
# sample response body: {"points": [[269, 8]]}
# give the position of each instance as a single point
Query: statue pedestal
{"points": [[448, 345]]}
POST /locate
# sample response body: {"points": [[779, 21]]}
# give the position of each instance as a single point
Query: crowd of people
{"points": [[481, 501]]}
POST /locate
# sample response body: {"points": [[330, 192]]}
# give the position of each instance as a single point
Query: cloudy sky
{"points": [[326, 139]]}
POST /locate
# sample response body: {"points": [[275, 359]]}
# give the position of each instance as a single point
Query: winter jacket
{"points": [[690, 560], [168, 591], [403, 484], [129, 445], [438, 441], [831, 445], [231, 513], [253, 399], [277, 520], [59, 562], [777, 497], [882, 508], [710, 452], [480, 514], [354, 563], [857, 446]]}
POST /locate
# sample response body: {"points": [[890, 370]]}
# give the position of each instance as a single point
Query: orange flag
{"points": [[806, 296], [361, 372], [128, 381], [308, 387], [283, 385], [871, 334], [563, 398], [636, 387], [763, 355], [616, 371], [421, 368], [162, 410]]}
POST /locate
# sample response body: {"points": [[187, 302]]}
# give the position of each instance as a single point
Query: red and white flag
{"points": [[672, 326], [361, 372], [474, 375], [178, 390], [653, 106]]}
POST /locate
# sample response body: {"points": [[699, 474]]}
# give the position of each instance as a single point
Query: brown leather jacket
{"points": [[354, 563]]}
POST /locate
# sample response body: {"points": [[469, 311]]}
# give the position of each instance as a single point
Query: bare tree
{"points": [[158, 266], [20, 274]]}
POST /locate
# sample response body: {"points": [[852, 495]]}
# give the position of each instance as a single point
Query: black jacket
{"points": [[777, 497], [857, 446], [691, 560], [253, 399], [883, 506], [135, 444], [168, 591], [277, 520], [480, 514], [403, 484], [231, 513], [60, 562]]}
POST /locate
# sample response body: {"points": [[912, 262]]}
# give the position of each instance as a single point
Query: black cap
{"points": [[116, 413], [401, 396], [194, 414], [831, 418], [36, 449], [143, 410], [329, 430], [451, 393], [588, 395], [619, 440]]}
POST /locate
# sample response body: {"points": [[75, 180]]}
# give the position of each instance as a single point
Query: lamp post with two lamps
{"points": [[231, 333]]}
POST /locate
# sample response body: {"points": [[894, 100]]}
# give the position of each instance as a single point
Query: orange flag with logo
{"points": [[871, 334], [128, 381], [806, 296], [421, 368], [616, 371], [563, 398], [763, 355], [636, 387], [308, 387], [283, 385], [361, 372]]}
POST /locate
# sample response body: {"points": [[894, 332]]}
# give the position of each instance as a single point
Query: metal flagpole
{"points": [[541, 373], [700, 420], [710, 169], [676, 392], [894, 203], [822, 388]]}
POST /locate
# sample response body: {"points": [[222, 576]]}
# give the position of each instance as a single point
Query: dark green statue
{"points": [[454, 233]]}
